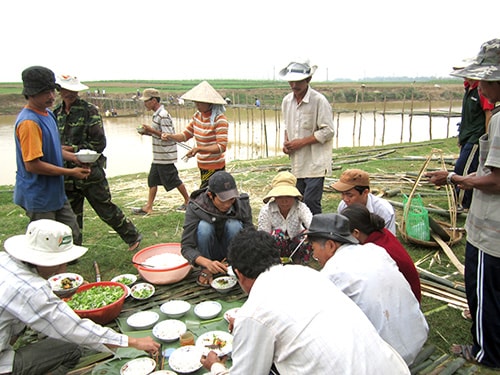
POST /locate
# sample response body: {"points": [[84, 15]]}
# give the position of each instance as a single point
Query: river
{"points": [[128, 152]]}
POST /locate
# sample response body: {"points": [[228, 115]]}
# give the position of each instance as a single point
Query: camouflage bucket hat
{"points": [[486, 66]]}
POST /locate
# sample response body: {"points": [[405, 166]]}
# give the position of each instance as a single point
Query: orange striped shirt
{"points": [[207, 134]]}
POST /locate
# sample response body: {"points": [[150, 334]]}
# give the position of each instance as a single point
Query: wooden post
{"points": [[354, 126], [430, 118], [361, 113], [411, 115], [449, 117], [402, 119], [337, 131], [384, 119]]}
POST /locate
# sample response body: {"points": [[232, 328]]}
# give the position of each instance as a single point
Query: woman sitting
{"points": [[369, 227], [285, 216]]}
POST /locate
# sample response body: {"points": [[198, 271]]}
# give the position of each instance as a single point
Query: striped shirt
{"points": [[27, 300], [207, 134], [164, 152]]}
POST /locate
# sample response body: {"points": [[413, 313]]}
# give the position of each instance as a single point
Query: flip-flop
{"points": [[207, 276], [466, 314], [135, 245], [139, 211], [464, 351]]}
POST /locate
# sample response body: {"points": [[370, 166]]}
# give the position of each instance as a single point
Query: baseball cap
{"points": [[351, 178], [223, 185], [150, 93]]}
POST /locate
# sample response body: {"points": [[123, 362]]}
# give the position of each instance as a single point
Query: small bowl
{"points": [[140, 130], [64, 285], [185, 359], [87, 156], [207, 310], [126, 279], [224, 284], [142, 291], [169, 330], [143, 319], [175, 308]]}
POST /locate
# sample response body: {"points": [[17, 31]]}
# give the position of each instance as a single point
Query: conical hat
{"points": [[204, 93]]}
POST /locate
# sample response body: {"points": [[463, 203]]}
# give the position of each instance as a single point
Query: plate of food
{"points": [[138, 366], [219, 341], [126, 279], [224, 284], [142, 290], [65, 284], [186, 359], [169, 330], [231, 313]]}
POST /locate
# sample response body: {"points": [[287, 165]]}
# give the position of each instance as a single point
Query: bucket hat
{"points": [[70, 83], [351, 178], [149, 93], [46, 243], [486, 65], [223, 185], [204, 93], [332, 226], [37, 79], [297, 71], [283, 185]]}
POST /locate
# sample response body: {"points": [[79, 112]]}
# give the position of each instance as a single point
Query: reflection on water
{"points": [[253, 134]]}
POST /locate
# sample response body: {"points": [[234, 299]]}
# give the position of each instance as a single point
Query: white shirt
{"points": [[298, 219], [378, 206], [297, 319], [27, 300], [371, 278], [313, 116]]}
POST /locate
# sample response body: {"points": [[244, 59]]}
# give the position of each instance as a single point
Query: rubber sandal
{"points": [[139, 211], [207, 276], [135, 245], [464, 351], [466, 314]]}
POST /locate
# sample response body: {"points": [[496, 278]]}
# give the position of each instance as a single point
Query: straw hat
{"points": [[70, 83], [297, 71], [283, 185], [204, 93], [46, 243]]}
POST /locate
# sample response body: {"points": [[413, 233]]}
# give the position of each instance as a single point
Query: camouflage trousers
{"points": [[96, 190]]}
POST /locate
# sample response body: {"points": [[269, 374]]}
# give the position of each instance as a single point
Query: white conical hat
{"points": [[204, 93]]}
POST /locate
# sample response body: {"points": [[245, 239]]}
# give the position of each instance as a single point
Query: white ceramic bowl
{"points": [[224, 284], [169, 330], [175, 308], [143, 319], [138, 366], [185, 359], [66, 284], [207, 310], [87, 156], [126, 279], [142, 291]]}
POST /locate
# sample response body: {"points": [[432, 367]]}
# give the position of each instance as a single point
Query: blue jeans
{"points": [[212, 247]]}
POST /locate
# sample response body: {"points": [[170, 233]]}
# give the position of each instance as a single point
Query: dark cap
{"points": [[37, 79], [223, 185], [332, 226]]}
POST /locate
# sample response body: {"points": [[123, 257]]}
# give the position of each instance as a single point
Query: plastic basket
{"points": [[417, 221]]}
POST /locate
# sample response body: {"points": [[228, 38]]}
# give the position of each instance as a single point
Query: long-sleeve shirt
{"points": [[27, 300], [298, 219], [371, 278], [301, 332], [313, 116]]}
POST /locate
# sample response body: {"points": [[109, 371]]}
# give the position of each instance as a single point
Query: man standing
{"points": [[214, 215], [482, 251], [80, 127], [163, 170], [308, 133], [39, 188], [295, 321]]}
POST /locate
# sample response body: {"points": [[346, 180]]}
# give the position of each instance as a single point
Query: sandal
{"points": [[204, 278], [464, 351], [466, 314]]}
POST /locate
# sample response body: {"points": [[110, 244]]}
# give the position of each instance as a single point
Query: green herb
{"points": [[142, 293], [95, 297], [124, 280]]}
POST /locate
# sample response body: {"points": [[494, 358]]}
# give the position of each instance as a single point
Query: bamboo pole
{"points": [[384, 120], [402, 119], [430, 118], [411, 116]]}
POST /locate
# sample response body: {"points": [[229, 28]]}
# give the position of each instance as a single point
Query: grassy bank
{"points": [[393, 172]]}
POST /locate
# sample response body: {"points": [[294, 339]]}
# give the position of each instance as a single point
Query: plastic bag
{"points": [[417, 220]]}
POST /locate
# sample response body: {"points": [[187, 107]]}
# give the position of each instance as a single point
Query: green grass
{"points": [[165, 224]]}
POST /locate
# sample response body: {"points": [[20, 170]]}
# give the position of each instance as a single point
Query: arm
{"points": [[38, 166], [489, 183], [264, 220]]}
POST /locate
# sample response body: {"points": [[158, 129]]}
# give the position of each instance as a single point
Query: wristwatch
{"points": [[448, 178]]}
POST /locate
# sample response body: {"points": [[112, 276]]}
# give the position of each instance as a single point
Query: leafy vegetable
{"points": [[95, 297]]}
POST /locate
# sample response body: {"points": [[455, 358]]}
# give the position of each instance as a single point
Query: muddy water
{"points": [[253, 134]]}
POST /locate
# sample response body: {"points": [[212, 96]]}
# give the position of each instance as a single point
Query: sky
{"points": [[239, 39]]}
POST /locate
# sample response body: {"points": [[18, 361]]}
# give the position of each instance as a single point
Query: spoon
{"points": [[143, 264]]}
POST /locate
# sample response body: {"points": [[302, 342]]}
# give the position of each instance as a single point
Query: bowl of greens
{"points": [[142, 291], [127, 279], [100, 301]]}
